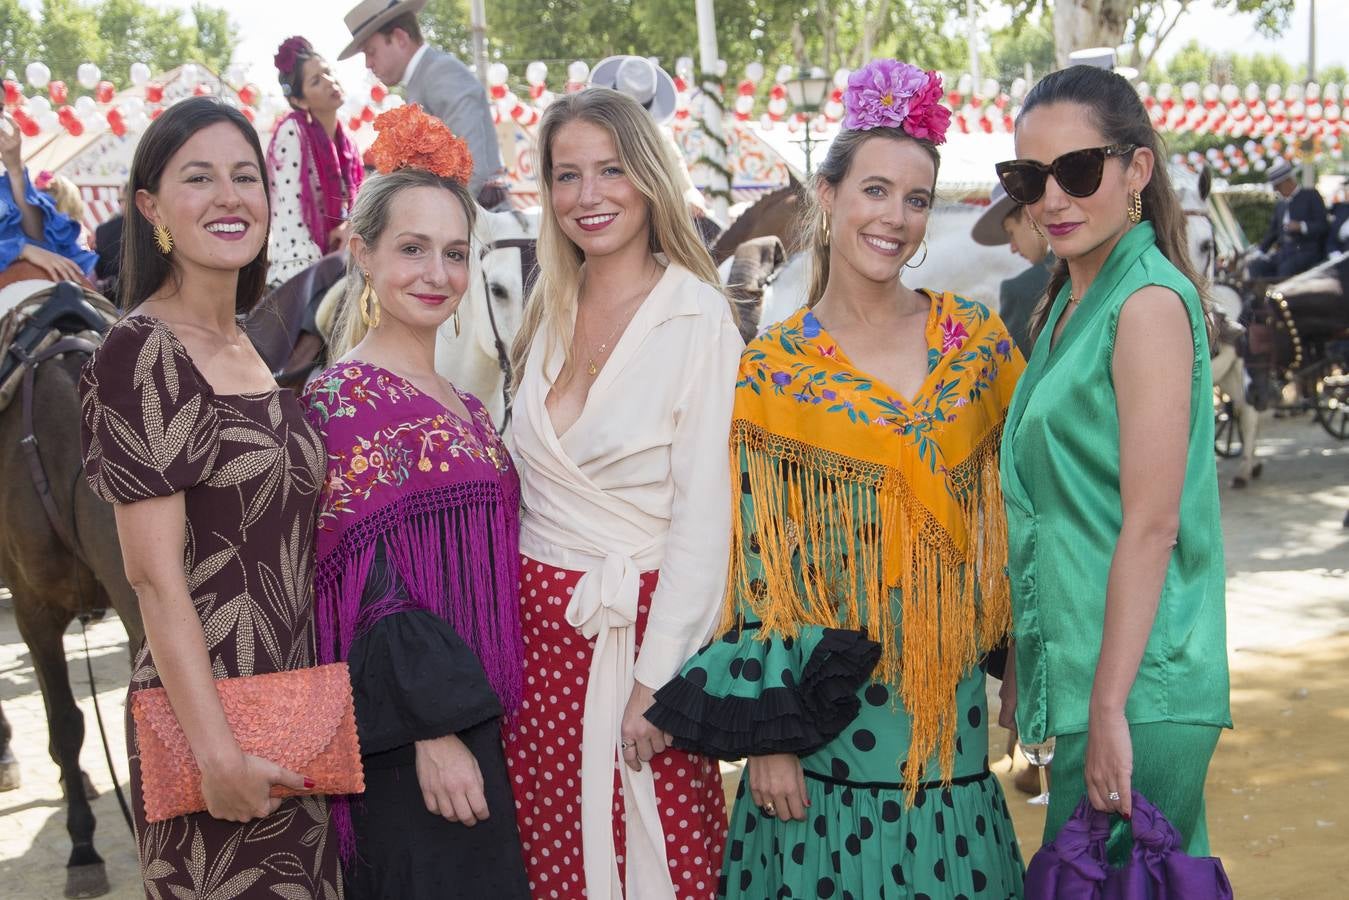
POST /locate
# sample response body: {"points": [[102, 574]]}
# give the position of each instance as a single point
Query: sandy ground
{"points": [[1277, 790]]}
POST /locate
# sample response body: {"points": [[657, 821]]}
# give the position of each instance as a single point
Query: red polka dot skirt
{"points": [[543, 754]]}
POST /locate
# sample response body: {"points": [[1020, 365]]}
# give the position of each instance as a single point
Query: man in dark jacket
{"points": [[1297, 231], [1006, 222]]}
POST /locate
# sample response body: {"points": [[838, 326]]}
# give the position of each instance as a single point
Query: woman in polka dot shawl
{"points": [[314, 168], [869, 545]]}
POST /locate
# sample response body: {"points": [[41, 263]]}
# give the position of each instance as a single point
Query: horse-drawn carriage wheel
{"points": [[1226, 434], [1332, 400]]}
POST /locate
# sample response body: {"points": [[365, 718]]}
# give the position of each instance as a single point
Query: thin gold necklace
{"points": [[592, 367]]}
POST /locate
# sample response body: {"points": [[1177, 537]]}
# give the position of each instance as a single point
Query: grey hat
{"points": [[988, 229], [1279, 171], [642, 80]]}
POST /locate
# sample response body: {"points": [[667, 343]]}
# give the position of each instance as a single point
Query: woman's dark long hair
{"points": [[144, 269], [1117, 112], [292, 82]]}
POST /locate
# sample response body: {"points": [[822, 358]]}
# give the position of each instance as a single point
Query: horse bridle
{"points": [[528, 267]]}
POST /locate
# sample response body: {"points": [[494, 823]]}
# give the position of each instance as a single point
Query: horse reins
{"points": [[528, 267], [64, 530]]}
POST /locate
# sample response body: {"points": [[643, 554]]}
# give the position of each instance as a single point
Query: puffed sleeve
{"points": [[413, 677], [752, 692], [291, 248], [149, 426]]}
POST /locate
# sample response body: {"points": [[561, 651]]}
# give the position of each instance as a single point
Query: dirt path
{"points": [[1277, 793]]}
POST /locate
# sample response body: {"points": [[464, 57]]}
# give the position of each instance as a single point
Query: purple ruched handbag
{"points": [[1073, 866]]}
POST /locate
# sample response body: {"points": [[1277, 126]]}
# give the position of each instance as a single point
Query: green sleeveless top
{"points": [[1060, 479]]}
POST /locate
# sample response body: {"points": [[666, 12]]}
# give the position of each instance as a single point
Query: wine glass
{"points": [[1040, 755]]}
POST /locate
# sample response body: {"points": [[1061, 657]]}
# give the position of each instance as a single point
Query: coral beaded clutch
{"points": [[302, 720]]}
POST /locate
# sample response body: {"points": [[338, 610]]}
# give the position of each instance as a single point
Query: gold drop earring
{"points": [[370, 317], [1136, 208]]}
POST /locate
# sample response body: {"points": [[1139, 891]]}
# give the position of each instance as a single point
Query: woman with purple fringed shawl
{"points": [[314, 168], [417, 568]]}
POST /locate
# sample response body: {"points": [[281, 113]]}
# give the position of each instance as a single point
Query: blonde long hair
{"points": [[369, 219], [649, 165]]}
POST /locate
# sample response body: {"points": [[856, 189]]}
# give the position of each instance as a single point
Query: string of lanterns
{"points": [[1268, 117]]}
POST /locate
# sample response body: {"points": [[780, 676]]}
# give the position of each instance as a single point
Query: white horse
{"points": [[491, 312], [1229, 369]]}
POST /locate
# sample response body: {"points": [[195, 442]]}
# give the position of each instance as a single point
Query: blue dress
{"points": [[60, 233]]}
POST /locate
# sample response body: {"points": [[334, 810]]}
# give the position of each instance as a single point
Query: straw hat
{"points": [[370, 16], [988, 229], [1279, 171], [640, 79]]}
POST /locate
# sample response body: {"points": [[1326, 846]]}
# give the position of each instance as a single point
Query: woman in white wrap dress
{"points": [[626, 369]]}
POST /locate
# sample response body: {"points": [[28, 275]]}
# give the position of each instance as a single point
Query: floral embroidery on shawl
{"points": [[857, 492]]}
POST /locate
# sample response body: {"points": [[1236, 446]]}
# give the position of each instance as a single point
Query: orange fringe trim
{"points": [[861, 533]]}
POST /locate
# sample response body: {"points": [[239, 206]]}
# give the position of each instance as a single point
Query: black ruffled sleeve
{"points": [[748, 694], [413, 678]]}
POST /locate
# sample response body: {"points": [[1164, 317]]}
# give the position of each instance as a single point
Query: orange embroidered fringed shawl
{"points": [[857, 491]]}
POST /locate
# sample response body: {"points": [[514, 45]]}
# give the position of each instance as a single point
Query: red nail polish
{"points": [[309, 784]]}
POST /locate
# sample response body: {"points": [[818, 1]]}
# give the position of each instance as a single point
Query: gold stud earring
{"points": [[1136, 208], [163, 239], [371, 316]]}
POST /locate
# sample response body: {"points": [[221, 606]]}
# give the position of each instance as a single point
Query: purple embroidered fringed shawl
{"points": [[442, 496], [333, 167]]}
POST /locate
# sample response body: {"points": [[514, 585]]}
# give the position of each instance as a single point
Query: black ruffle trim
{"points": [[798, 719]]}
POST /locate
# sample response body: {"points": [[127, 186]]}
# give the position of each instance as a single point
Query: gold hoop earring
{"points": [[1136, 208], [455, 317], [921, 261], [370, 317], [163, 239]]}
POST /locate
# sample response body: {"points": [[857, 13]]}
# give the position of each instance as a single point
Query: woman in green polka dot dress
{"points": [[867, 575]]}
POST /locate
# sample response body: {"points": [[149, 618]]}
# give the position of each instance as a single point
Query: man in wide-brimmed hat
{"points": [[1005, 222], [1297, 232], [386, 31]]}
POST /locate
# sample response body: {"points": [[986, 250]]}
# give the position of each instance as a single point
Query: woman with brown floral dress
{"points": [[215, 474]]}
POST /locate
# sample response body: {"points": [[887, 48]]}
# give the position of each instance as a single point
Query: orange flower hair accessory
{"points": [[408, 137]]}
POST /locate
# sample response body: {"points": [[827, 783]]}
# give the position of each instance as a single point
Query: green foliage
{"points": [[1252, 210], [1021, 43], [444, 23], [833, 33], [113, 34]]}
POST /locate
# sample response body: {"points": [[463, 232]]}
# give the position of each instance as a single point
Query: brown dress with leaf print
{"points": [[249, 467]]}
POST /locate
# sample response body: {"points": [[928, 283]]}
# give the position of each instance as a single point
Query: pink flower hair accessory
{"points": [[291, 49], [887, 93]]}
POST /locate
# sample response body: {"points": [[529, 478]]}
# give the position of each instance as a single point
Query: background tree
{"points": [[1145, 24], [113, 34]]}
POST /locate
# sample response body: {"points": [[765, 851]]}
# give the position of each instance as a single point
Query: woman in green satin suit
{"points": [[1115, 546]]}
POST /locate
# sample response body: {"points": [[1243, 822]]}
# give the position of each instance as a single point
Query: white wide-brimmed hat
{"points": [[370, 16], [640, 79], [988, 229]]}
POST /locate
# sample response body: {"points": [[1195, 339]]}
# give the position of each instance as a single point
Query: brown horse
{"points": [[53, 583], [773, 214]]}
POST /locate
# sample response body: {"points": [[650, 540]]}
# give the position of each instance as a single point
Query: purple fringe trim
{"points": [[456, 551]]}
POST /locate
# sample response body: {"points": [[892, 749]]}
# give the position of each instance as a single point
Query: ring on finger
{"points": [[769, 809], [1113, 796], [625, 746]]}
